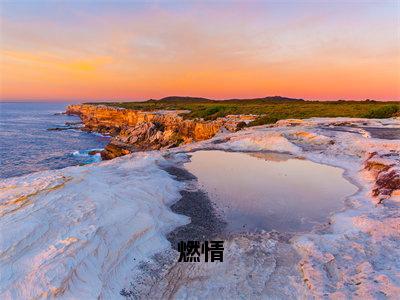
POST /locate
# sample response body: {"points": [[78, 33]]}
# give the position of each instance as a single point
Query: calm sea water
{"points": [[27, 146]]}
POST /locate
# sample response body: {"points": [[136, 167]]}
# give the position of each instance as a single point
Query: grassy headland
{"points": [[270, 109]]}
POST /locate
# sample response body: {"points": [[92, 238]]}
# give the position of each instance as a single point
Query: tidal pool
{"points": [[269, 191]]}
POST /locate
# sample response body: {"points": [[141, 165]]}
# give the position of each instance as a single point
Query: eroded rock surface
{"points": [[141, 130], [256, 266], [91, 232]]}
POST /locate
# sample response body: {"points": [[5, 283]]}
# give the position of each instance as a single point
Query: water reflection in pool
{"points": [[269, 191]]}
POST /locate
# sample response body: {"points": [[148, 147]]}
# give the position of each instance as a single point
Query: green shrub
{"points": [[212, 110], [271, 111], [386, 111], [264, 120]]}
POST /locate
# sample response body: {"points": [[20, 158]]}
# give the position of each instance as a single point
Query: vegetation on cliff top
{"points": [[270, 109]]}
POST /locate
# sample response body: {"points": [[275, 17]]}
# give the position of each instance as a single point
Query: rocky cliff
{"points": [[134, 130]]}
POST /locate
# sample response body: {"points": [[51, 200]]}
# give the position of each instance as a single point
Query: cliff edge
{"points": [[135, 130]]}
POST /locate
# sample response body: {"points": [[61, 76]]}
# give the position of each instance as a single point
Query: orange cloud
{"points": [[217, 54]]}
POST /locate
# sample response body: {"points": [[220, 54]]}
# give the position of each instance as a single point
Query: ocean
{"points": [[27, 146]]}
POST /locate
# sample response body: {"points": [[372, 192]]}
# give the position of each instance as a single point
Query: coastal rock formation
{"points": [[99, 231], [134, 130], [385, 172]]}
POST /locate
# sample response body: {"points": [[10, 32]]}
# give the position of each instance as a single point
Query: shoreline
{"points": [[134, 130], [29, 146], [205, 223], [137, 130], [134, 225]]}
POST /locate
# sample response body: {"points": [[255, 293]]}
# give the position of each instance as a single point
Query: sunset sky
{"points": [[127, 50]]}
